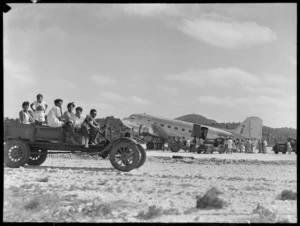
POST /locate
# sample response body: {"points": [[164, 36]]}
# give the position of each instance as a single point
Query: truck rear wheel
{"points": [[124, 156], [142, 156], [16, 153], [36, 159]]}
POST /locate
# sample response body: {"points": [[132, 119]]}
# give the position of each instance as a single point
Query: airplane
{"points": [[159, 127]]}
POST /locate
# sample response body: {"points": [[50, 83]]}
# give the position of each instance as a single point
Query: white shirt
{"points": [[39, 115], [26, 117], [77, 122], [52, 117], [229, 143], [188, 142]]}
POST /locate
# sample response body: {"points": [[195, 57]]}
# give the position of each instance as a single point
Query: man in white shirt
{"points": [[230, 145], [54, 116]]}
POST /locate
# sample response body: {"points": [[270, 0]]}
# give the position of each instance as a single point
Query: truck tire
{"points": [[16, 153], [124, 156], [150, 145], [208, 151], [284, 151], [142, 156], [37, 159], [174, 148]]}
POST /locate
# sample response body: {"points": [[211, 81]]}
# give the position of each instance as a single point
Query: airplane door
{"points": [[196, 132], [204, 131]]}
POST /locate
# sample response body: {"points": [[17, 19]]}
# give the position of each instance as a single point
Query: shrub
{"points": [[288, 195], [210, 200], [42, 179], [32, 204], [265, 214], [153, 212]]}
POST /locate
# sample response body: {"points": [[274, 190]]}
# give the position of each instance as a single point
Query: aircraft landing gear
{"points": [[150, 145]]}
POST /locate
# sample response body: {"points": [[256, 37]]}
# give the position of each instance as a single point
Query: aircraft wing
{"points": [[159, 131]]}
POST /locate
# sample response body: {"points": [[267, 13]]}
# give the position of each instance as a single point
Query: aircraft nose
{"points": [[126, 122]]}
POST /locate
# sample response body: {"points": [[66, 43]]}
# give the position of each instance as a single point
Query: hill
{"points": [[272, 135]]}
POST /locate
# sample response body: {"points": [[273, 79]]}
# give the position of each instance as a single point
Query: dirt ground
{"points": [[68, 188]]}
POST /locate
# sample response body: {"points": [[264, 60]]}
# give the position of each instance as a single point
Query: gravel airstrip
{"points": [[71, 188]]}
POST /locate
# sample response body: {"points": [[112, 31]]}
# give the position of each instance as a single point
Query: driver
{"points": [[90, 128]]}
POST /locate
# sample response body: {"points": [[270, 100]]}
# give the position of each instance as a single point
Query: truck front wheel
{"points": [[16, 153], [124, 156]]}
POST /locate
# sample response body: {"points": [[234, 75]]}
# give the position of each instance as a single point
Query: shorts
{"points": [[39, 116]]}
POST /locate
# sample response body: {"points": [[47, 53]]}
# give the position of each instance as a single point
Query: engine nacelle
{"points": [[141, 130]]}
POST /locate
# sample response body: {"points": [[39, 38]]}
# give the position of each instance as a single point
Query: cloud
{"points": [[258, 102], [102, 80], [139, 100], [226, 34], [275, 111], [168, 89], [113, 97], [150, 10], [18, 74], [237, 80], [292, 60], [221, 77]]}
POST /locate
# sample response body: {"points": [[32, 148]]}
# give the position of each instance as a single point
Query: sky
{"points": [[223, 61]]}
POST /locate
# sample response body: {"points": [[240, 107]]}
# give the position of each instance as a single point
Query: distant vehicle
{"points": [[29, 144], [210, 146], [281, 146], [163, 128]]}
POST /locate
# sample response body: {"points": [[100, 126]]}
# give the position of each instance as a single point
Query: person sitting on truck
{"points": [[24, 115], [54, 116], [69, 113], [88, 130]]}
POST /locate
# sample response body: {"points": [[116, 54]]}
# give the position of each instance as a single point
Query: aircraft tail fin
{"points": [[251, 127]]}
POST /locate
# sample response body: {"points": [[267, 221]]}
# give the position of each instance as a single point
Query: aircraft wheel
{"points": [[174, 148], [208, 151], [37, 159], [124, 156], [159, 145], [16, 153], [142, 156], [150, 145]]}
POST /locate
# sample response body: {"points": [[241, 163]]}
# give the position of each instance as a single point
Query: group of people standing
{"points": [[247, 146], [230, 144], [74, 123]]}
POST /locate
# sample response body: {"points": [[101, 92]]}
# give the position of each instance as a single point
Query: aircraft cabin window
{"points": [[162, 124], [183, 129], [169, 126], [176, 128]]}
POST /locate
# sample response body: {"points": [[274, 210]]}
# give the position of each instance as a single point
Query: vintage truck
{"points": [[30, 144], [281, 146], [212, 145]]}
